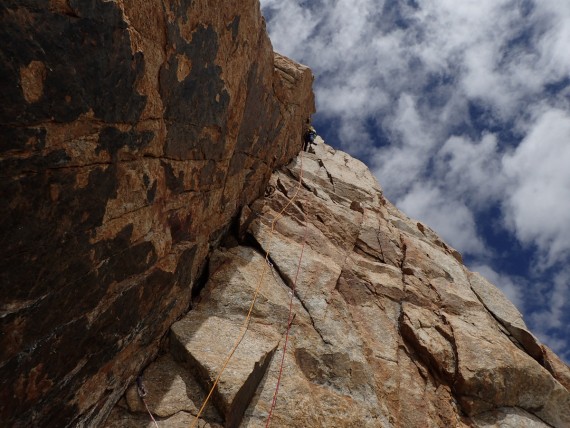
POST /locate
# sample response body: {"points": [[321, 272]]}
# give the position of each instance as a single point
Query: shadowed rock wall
{"points": [[131, 133]]}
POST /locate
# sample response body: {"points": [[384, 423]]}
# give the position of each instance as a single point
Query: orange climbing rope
{"points": [[247, 319]]}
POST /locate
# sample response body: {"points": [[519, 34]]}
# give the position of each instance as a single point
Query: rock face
{"points": [[389, 328], [131, 134]]}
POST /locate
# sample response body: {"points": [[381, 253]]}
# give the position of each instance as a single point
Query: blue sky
{"points": [[462, 111]]}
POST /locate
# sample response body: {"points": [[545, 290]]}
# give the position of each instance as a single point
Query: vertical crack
{"points": [[329, 175], [287, 281], [380, 245], [325, 341], [453, 343], [403, 261], [245, 394]]}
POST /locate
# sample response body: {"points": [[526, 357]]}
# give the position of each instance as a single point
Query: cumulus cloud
{"points": [[399, 166], [471, 170], [291, 26], [538, 207]]}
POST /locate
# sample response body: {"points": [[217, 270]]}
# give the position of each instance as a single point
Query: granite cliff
{"points": [[389, 329], [131, 135], [154, 190]]}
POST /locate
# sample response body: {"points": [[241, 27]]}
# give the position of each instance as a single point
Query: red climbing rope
{"points": [[291, 314], [289, 322]]}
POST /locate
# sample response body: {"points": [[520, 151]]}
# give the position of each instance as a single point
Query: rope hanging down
{"points": [[247, 319], [289, 322], [142, 393]]}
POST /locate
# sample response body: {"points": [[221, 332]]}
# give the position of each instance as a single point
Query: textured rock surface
{"points": [[390, 329], [131, 134], [192, 342]]}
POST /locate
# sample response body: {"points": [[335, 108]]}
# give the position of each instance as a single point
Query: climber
{"points": [[309, 139]]}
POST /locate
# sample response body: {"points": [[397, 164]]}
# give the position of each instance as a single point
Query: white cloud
{"points": [[471, 170], [553, 46], [399, 166], [538, 209], [291, 27]]}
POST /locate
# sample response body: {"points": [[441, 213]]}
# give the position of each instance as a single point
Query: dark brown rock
{"points": [[131, 133]]}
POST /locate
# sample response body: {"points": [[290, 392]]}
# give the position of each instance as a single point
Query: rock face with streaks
{"points": [[389, 328], [137, 140], [131, 134]]}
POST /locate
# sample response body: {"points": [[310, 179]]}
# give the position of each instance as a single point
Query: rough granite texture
{"points": [[137, 141], [131, 133], [389, 330]]}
